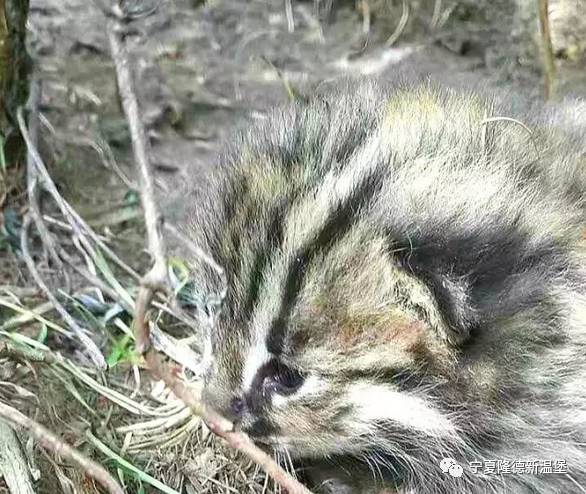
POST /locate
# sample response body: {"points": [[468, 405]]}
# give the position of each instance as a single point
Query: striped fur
{"points": [[406, 282]]}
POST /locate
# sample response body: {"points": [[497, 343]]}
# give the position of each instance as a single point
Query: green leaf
{"points": [[42, 336], [104, 268], [122, 351], [131, 198], [128, 467]]}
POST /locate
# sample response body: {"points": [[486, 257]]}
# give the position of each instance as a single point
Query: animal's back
{"points": [[406, 283]]}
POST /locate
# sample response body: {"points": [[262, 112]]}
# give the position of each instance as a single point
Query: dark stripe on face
{"points": [[273, 238], [333, 231]]}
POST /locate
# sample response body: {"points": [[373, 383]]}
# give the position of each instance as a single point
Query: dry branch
{"points": [[79, 227], [57, 446], [33, 175], [546, 49], [90, 347], [156, 279], [13, 463], [400, 26]]}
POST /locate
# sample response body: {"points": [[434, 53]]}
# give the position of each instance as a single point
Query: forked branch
{"points": [[157, 280]]}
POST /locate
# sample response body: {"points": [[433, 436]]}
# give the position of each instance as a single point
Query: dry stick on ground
{"points": [[289, 15], [400, 26], [57, 446], [13, 463], [435, 18], [366, 17], [21, 291], [156, 278], [33, 175], [77, 223], [163, 343], [90, 347], [546, 49]]}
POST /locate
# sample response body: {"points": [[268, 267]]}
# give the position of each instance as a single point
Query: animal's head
{"points": [[326, 336], [364, 246], [327, 343]]}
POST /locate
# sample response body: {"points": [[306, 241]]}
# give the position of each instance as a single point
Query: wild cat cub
{"points": [[406, 283]]}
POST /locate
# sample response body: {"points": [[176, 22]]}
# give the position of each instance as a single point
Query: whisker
{"points": [[290, 461]]}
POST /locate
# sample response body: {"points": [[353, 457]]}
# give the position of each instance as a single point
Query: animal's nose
{"points": [[231, 406]]}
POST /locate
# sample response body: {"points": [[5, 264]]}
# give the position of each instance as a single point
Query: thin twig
{"points": [[33, 178], [400, 26], [366, 17], [58, 447], [546, 49], [65, 226], [289, 15], [21, 291], [13, 463], [99, 145], [437, 11], [80, 227], [22, 353], [27, 315], [224, 428], [90, 346], [157, 279]]}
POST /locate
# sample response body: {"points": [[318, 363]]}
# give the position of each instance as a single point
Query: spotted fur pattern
{"points": [[406, 282]]}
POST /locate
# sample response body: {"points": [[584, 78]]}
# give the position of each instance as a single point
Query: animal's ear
{"points": [[435, 291], [457, 316], [480, 272]]}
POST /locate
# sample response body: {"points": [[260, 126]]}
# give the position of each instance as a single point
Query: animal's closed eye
{"points": [[283, 379]]}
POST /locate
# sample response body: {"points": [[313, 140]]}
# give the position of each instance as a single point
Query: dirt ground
{"points": [[205, 70]]}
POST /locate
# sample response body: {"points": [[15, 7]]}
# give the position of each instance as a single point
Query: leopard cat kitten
{"points": [[406, 282]]}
